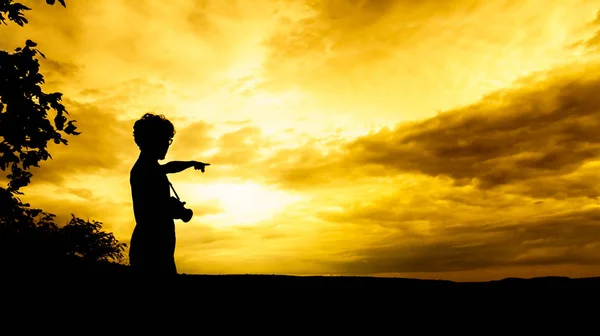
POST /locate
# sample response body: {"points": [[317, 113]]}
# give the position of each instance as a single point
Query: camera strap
{"points": [[173, 190]]}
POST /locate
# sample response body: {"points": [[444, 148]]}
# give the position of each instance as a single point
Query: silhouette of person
{"points": [[152, 246]]}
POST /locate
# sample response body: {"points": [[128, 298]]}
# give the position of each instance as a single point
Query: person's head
{"points": [[153, 134]]}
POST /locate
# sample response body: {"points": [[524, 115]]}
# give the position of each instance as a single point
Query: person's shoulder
{"points": [[142, 169], [138, 168]]}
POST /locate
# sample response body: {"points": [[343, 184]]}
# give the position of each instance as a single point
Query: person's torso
{"points": [[147, 176]]}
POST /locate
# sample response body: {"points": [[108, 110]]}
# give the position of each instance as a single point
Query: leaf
{"points": [[50, 2], [59, 121], [70, 129], [30, 43], [19, 7], [62, 2]]}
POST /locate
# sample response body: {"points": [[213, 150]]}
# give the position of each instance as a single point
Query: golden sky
{"points": [[432, 139]]}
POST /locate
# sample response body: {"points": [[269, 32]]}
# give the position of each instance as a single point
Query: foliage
{"points": [[25, 129], [86, 240], [29, 236]]}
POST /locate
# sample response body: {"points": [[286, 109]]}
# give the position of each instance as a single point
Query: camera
{"points": [[179, 211]]}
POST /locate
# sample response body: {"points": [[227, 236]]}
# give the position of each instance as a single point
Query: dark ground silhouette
{"points": [[109, 272], [375, 283]]}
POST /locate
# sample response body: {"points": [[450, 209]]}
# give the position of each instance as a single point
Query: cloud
{"points": [[105, 143], [430, 225], [553, 239], [240, 147], [56, 73], [327, 34], [191, 140], [540, 130], [547, 129], [406, 60], [314, 164], [593, 43], [86, 202]]}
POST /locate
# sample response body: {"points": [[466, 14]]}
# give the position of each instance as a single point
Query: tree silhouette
{"points": [[29, 236], [26, 129]]}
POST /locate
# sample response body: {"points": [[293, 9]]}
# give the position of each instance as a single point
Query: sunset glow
{"points": [[434, 139], [242, 203]]}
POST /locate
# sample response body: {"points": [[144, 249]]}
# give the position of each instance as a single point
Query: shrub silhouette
{"points": [[29, 238]]}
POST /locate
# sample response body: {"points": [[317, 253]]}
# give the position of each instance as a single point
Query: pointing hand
{"points": [[200, 165]]}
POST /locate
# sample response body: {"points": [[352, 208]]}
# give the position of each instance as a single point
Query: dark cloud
{"points": [[322, 43], [105, 143], [50, 67], [586, 184], [57, 72], [346, 41], [537, 139], [132, 93], [353, 14], [548, 129], [314, 164], [82, 193], [554, 239]]}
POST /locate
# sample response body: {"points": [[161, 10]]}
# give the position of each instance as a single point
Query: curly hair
{"points": [[151, 127]]}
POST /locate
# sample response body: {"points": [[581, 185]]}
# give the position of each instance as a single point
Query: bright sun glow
{"points": [[245, 203]]}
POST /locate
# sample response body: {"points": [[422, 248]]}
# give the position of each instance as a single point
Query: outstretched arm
{"points": [[179, 166]]}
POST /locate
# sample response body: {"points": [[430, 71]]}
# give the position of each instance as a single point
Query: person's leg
{"points": [[167, 265], [135, 260], [173, 266], [146, 262]]}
